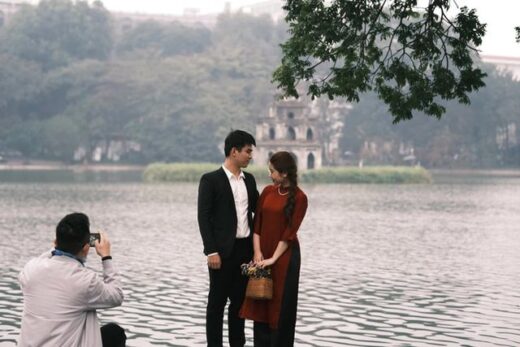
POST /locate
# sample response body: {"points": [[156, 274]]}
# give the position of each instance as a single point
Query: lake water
{"points": [[382, 265]]}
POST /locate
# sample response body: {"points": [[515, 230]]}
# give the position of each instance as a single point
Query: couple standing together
{"points": [[238, 226]]}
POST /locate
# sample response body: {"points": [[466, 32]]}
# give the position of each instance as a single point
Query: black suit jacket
{"points": [[217, 215]]}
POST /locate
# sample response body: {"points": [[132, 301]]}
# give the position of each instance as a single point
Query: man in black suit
{"points": [[226, 203]]}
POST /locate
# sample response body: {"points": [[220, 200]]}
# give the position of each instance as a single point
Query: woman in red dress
{"points": [[280, 211]]}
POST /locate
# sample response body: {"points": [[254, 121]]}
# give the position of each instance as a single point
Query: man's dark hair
{"points": [[238, 139], [72, 233]]}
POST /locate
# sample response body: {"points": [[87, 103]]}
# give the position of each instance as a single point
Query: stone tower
{"points": [[290, 125]]}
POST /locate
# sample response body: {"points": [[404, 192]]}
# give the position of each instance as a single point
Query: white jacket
{"points": [[60, 301]]}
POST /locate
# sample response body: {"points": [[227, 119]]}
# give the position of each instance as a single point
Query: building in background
{"points": [[273, 8], [309, 130], [504, 64], [10, 7]]}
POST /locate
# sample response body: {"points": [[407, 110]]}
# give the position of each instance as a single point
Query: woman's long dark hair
{"points": [[284, 163]]}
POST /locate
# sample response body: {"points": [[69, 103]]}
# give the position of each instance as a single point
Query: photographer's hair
{"points": [[237, 139], [284, 163], [72, 233]]}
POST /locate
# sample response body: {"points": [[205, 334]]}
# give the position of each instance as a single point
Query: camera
{"points": [[93, 238]]}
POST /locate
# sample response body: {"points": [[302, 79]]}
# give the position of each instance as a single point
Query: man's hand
{"points": [[214, 261], [103, 245]]}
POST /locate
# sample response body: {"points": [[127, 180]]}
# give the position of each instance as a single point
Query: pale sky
{"points": [[500, 15]]}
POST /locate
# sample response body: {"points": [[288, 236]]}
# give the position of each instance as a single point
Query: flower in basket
{"points": [[253, 271]]}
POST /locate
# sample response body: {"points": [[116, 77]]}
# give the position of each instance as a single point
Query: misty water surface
{"points": [[382, 265]]}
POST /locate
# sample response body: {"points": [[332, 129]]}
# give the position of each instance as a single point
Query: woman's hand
{"points": [[266, 262], [258, 257]]}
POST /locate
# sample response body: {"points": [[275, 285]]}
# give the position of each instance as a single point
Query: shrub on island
{"points": [[191, 172]]}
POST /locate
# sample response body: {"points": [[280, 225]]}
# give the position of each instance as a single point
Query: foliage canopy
{"points": [[57, 32], [411, 57]]}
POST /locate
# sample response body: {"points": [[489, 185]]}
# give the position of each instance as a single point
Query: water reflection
{"points": [[421, 265]]}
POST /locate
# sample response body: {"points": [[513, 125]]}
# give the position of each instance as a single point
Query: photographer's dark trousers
{"points": [[228, 283], [113, 335]]}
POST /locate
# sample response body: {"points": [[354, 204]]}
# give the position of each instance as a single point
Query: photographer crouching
{"points": [[61, 295]]}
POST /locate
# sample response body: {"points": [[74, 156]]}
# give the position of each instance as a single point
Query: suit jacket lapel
{"points": [[250, 189], [227, 190]]}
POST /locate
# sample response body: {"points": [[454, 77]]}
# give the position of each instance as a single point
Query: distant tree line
{"points": [[484, 134], [74, 76]]}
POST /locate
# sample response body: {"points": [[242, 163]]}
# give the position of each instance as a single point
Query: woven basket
{"points": [[259, 288]]}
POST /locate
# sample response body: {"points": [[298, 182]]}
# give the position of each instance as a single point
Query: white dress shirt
{"points": [[238, 187]]}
